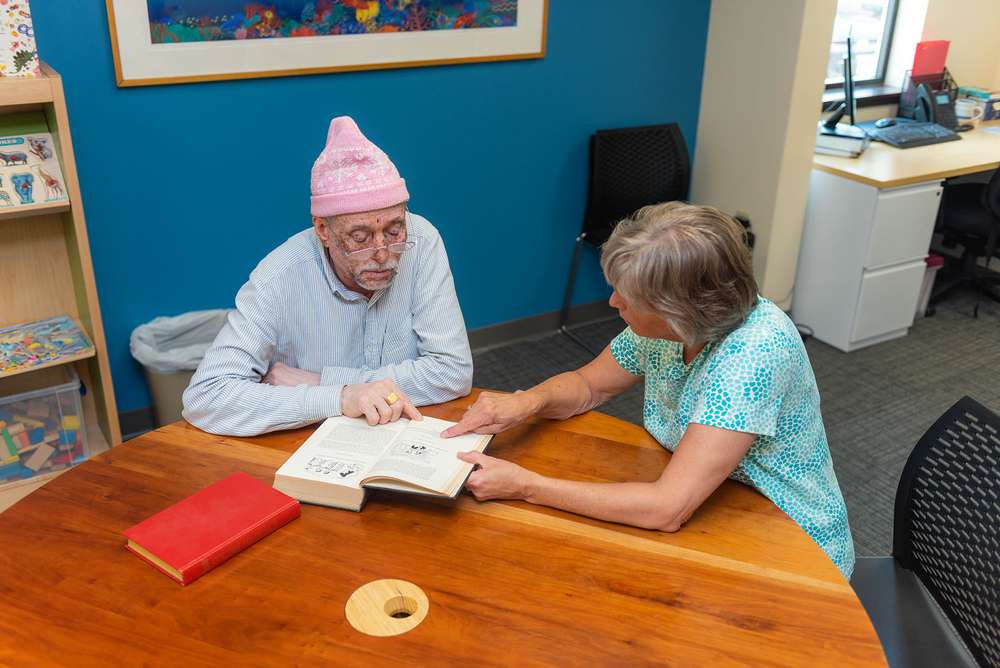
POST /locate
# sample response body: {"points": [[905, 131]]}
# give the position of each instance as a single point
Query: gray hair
{"points": [[690, 264]]}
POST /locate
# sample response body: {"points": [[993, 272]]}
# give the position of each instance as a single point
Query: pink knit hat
{"points": [[352, 174]]}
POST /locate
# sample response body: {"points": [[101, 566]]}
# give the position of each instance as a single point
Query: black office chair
{"points": [[629, 169], [936, 600], [970, 215]]}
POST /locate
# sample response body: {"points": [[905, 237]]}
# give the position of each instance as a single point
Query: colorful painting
{"points": [[174, 21], [173, 41]]}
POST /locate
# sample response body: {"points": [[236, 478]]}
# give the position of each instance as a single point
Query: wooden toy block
{"points": [[28, 422], [51, 437], [23, 451], [62, 459], [39, 457], [78, 450], [15, 428], [8, 470], [22, 440], [8, 459], [3, 424], [71, 422], [67, 437], [36, 435], [8, 442]]}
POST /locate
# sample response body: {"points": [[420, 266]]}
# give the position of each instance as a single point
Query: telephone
{"points": [[935, 106]]}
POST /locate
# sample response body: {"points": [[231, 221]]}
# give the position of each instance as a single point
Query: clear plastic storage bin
{"points": [[41, 423]]}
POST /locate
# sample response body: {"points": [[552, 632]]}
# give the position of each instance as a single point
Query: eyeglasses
{"points": [[366, 253]]}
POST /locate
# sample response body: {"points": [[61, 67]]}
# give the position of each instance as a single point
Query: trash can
{"points": [[169, 350], [934, 264]]}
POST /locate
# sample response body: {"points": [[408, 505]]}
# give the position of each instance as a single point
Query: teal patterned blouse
{"points": [[757, 380]]}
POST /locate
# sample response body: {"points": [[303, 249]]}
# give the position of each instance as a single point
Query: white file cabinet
{"points": [[862, 259]]}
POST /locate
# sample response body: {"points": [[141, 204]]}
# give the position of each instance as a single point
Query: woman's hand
{"points": [[496, 478], [493, 413]]}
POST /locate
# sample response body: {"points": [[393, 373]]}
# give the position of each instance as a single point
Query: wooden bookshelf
{"points": [[45, 264], [34, 210]]}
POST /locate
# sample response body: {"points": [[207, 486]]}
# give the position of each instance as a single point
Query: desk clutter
{"points": [[41, 423], [29, 171]]}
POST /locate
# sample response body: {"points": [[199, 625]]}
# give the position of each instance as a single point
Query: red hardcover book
{"points": [[198, 533]]}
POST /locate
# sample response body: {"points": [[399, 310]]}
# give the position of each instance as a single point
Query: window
{"points": [[869, 23]]}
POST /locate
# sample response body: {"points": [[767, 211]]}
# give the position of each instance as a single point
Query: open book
{"points": [[345, 456]]}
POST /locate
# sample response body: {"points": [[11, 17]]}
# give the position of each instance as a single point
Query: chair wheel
{"points": [[930, 311]]}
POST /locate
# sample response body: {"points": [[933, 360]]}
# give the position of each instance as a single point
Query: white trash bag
{"points": [[176, 343]]}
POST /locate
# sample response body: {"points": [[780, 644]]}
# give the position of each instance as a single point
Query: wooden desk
{"points": [[508, 583], [884, 166]]}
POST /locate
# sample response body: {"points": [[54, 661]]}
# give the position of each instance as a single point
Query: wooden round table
{"points": [[507, 582]]}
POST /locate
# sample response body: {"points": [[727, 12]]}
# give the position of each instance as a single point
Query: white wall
{"points": [[764, 69], [973, 26]]}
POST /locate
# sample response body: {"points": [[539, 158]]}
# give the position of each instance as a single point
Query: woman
{"points": [[728, 388]]}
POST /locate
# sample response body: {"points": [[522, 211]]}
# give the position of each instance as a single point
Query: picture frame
{"points": [[158, 42]]}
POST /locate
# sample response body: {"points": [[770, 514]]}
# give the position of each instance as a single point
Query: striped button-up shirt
{"points": [[296, 311]]}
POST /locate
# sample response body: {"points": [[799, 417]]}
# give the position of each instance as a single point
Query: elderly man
{"points": [[355, 316]]}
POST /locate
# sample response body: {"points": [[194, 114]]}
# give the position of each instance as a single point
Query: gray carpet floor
{"points": [[876, 402]]}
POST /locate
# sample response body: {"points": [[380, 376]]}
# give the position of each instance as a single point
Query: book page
{"points": [[341, 451], [421, 457]]}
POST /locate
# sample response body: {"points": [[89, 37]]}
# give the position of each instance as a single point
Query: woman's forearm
{"points": [[639, 504], [563, 396]]}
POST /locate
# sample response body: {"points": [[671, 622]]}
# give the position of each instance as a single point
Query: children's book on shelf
{"points": [[18, 54], [29, 171], [41, 343], [345, 457]]}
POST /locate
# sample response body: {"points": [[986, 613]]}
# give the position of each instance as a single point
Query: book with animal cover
{"points": [[196, 534], [29, 171], [345, 457]]}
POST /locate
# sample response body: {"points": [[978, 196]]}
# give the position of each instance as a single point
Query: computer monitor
{"points": [[848, 105], [849, 81]]}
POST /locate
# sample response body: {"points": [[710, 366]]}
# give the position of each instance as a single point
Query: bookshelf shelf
{"points": [[45, 263], [25, 91], [34, 210], [49, 365]]}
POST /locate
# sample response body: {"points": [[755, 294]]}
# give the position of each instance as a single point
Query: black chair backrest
{"points": [[629, 169], [947, 524]]}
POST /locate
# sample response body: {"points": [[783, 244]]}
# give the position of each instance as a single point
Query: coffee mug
{"points": [[968, 111]]}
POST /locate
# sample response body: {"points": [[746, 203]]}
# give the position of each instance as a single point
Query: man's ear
{"points": [[323, 230]]}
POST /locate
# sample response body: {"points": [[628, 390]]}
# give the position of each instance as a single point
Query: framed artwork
{"points": [[177, 41]]}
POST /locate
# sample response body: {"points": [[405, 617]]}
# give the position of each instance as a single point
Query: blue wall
{"points": [[187, 187]]}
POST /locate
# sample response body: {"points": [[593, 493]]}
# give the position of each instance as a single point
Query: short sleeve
{"points": [[745, 387], [627, 349]]}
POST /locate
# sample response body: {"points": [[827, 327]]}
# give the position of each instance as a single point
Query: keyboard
{"points": [[909, 135]]}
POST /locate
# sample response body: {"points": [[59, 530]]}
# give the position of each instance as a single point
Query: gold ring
{"points": [[392, 398]]}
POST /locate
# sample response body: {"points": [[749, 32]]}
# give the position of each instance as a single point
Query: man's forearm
{"points": [[429, 379], [242, 407]]}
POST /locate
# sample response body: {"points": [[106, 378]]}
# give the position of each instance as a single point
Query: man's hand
{"points": [[375, 401], [282, 374], [496, 478], [493, 413]]}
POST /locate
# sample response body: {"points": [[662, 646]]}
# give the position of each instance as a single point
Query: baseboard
{"points": [[136, 422], [504, 333], [140, 420]]}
